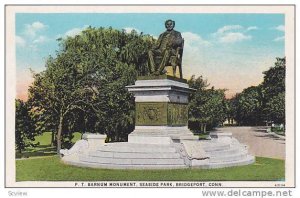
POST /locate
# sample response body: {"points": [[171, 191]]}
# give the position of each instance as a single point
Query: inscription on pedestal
{"points": [[161, 114], [177, 114]]}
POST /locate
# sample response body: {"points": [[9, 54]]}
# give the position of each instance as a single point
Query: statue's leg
{"points": [[174, 70], [163, 61], [180, 70], [151, 62], [173, 61]]}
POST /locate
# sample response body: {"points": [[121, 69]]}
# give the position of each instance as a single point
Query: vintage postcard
{"points": [[150, 96]]}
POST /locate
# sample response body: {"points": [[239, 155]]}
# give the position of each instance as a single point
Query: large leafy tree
{"points": [[198, 83], [249, 106], [274, 79], [206, 107], [25, 130], [275, 108], [54, 95], [265, 102], [274, 92], [83, 87]]}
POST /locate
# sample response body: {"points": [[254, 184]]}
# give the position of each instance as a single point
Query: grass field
{"points": [[51, 169], [42, 164], [44, 147]]}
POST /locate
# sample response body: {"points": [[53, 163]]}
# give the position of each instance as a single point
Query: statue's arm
{"points": [[178, 40]]}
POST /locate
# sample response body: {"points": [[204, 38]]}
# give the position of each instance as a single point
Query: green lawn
{"points": [[51, 169], [43, 147]]}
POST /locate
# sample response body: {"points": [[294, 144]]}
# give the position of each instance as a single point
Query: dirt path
{"points": [[260, 143]]}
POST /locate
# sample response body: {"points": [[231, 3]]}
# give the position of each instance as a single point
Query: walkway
{"points": [[260, 143]]}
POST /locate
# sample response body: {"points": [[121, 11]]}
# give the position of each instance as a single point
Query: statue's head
{"points": [[169, 24]]}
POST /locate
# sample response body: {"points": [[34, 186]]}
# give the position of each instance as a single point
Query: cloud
{"points": [[154, 36], [233, 37], [252, 28], [20, 41], [32, 29], [227, 28], [278, 39], [38, 25], [32, 35], [129, 29], [73, 32], [232, 33], [194, 53], [280, 28], [40, 40], [194, 39]]}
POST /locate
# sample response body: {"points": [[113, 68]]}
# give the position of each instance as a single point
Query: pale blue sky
{"points": [[230, 50]]}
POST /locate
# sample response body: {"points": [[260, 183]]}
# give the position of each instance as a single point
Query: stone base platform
{"points": [[161, 139], [158, 150], [160, 135]]}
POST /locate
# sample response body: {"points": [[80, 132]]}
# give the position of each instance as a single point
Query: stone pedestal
{"points": [[161, 109]]}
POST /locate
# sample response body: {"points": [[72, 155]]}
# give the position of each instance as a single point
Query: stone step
{"points": [[164, 130], [230, 151], [133, 145], [130, 155], [137, 148], [154, 134], [249, 159], [113, 166], [228, 158], [120, 161], [216, 147]]}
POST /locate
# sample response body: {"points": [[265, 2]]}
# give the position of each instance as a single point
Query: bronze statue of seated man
{"points": [[167, 50]]}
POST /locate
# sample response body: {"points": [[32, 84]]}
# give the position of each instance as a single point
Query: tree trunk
{"points": [[201, 127], [52, 138], [204, 128], [59, 132]]}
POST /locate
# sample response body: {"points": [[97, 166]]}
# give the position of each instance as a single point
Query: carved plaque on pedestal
{"points": [[177, 114], [161, 114]]}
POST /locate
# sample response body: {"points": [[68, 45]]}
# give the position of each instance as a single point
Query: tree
{"points": [[206, 107], [274, 90], [199, 84], [249, 106], [274, 79], [41, 109], [275, 108], [55, 95], [230, 109], [265, 102], [86, 82], [24, 132]]}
